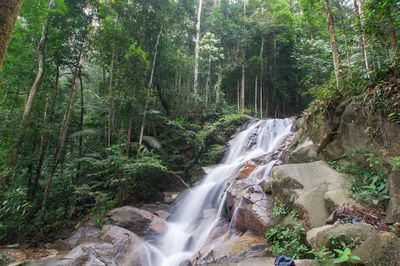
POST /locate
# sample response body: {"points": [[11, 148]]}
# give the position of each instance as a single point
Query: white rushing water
{"points": [[190, 225]]}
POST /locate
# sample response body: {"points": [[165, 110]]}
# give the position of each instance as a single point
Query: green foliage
{"points": [[323, 256], [14, 211], [346, 257], [287, 241], [368, 180], [396, 163], [280, 209]]}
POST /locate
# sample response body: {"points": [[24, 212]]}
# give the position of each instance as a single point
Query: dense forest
{"points": [[105, 102]]}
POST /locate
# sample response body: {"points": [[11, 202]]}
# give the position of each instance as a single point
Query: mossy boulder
{"points": [[320, 237], [382, 248]]}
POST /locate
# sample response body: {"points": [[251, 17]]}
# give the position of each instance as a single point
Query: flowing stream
{"points": [[190, 225]]}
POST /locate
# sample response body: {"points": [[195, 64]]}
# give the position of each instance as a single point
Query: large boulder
{"points": [[352, 129], [320, 237], [82, 234], [140, 222], [382, 248], [305, 152], [230, 249], [393, 208], [314, 189], [117, 247], [250, 209]]}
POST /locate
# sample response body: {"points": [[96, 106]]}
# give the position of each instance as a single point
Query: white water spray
{"points": [[189, 226]]}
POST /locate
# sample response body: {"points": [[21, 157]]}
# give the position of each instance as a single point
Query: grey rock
{"points": [[140, 222], [382, 248], [319, 237], [313, 189]]}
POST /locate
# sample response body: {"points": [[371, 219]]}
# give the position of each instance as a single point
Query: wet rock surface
{"points": [[250, 208], [118, 246], [139, 221], [231, 249]]}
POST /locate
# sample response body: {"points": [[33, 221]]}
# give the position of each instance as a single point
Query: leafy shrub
{"points": [[287, 241], [368, 180], [14, 210], [280, 209]]}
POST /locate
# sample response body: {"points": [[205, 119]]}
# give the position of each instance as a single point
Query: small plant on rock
{"points": [[346, 257]]}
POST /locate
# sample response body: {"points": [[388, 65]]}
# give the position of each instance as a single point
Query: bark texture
{"points": [[9, 10], [196, 51], [334, 45]]}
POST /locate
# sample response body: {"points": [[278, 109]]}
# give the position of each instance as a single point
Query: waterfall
{"points": [[200, 209]]}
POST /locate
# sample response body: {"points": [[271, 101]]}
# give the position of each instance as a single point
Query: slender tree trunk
{"points": [[238, 94], [196, 52], [9, 10], [334, 46], [80, 152], [344, 33], [243, 78], [110, 88], [261, 72], [255, 95], [219, 82], [32, 94], [64, 128], [45, 138], [208, 92], [361, 39], [150, 85], [128, 140]]}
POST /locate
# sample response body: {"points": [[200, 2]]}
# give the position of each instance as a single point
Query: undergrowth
{"points": [[368, 177]]}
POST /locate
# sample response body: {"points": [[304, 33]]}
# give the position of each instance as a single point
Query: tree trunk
{"points": [[12, 161], [208, 92], [196, 52], [128, 140], [261, 73], [238, 94], [64, 128], [255, 95], [110, 89], [218, 84], [80, 151], [45, 138], [149, 87], [9, 10], [344, 32], [334, 46], [243, 78], [361, 39]]}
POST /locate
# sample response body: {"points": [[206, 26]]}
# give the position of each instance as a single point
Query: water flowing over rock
{"points": [[197, 229], [230, 249]]}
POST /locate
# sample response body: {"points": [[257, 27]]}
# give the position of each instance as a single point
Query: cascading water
{"points": [[189, 226]]}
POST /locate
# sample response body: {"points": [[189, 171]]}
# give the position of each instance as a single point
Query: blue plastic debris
{"points": [[284, 261]]}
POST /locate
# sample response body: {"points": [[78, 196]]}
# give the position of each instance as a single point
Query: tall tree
{"points": [[32, 94], [196, 51], [334, 44], [9, 10]]}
